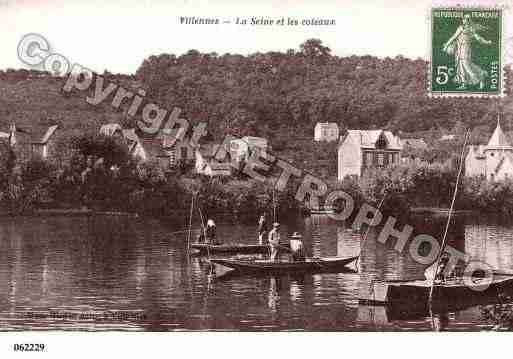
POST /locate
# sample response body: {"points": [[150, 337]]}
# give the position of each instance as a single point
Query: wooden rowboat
{"points": [[326, 264], [232, 248], [454, 292]]}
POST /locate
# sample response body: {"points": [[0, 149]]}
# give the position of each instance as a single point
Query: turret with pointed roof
{"points": [[499, 140], [494, 161]]}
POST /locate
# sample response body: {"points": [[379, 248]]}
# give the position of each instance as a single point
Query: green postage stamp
{"points": [[466, 52]]}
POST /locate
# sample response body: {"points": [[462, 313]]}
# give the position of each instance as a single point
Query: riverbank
{"points": [[143, 188]]}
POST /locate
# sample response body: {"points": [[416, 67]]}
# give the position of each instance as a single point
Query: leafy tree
{"points": [[112, 150]]}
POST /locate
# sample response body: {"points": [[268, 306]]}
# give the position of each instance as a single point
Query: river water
{"points": [[116, 273]]}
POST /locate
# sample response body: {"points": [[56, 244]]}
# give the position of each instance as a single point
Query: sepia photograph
{"points": [[271, 166]]}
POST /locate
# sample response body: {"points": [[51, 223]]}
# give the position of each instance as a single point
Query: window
{"points": [[172, 157], [381, 159], [381, 142], [368, 160], [183, 153]]}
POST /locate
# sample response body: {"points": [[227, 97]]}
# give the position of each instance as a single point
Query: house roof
{"points": [[368, 138], [171, 140], [36, 135], [498, 139], [110, 128], [326, 124], [47, 135], [255, 141], [477, 151]]}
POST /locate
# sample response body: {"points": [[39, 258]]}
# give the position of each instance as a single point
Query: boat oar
{"points": [[503, 273]]}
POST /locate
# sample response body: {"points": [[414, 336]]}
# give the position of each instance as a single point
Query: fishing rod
{"points": [[467, 135], [190, 225], [274, 206]]}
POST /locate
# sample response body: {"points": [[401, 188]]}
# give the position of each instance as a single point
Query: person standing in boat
{"points": [[211, 232], [444, 260], [263, 229], [274, 240]]}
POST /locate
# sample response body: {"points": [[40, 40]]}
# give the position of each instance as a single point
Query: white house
{"points": [[42, 146], [364, 149], [135, 147], [256, 143], [207, 164], [178, 149], [326, 131], [111, 129], [493, 161], [242, 148], [39, 142], [239, 149]]}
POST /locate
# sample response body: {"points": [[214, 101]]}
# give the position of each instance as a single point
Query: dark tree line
{"points": [[284, 94]]}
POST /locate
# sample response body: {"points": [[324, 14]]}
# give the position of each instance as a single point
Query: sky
{"points": [[118, 35]]}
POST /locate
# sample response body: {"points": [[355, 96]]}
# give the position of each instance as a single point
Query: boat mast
{"points": [[467, 135]]}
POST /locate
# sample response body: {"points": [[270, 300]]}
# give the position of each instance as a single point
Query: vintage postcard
{"points": [[267, 166]]}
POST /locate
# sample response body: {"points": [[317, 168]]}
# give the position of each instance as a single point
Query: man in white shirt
{"points": [[274, 240]]}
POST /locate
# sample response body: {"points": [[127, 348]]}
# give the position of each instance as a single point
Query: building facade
{"points": [[494, 161], [43, 147], [38, 143], [326, 131], [207, 164], [366, 149], [241, 149]]}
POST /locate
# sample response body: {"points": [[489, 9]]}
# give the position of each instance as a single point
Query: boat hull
{"points": [[414, 295], [329, 264]]}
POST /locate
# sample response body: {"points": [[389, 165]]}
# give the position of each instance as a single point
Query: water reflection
{"points": [[102, 264]]}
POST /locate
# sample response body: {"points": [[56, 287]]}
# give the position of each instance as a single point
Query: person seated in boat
{"points": [[274, 240], [442, 265], [201, 238], [211, 233], [297, 248], [263, 229]]}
